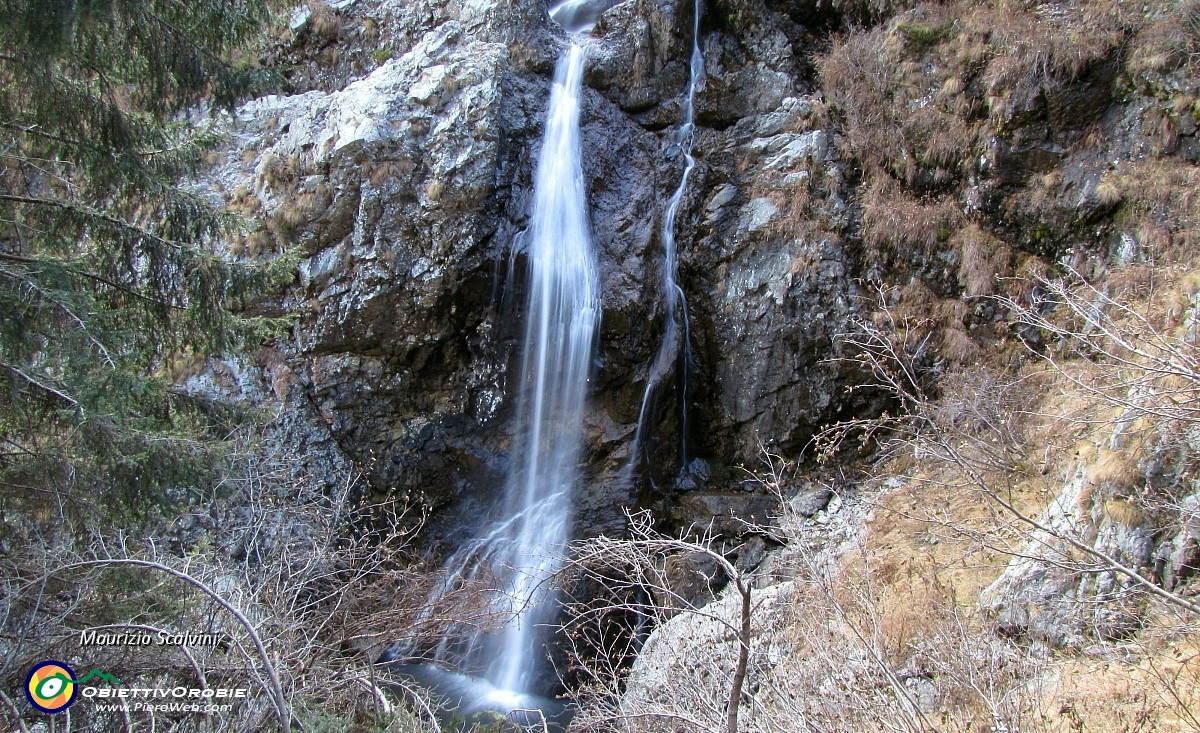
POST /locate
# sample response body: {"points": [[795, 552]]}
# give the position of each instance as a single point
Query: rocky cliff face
{"points": [[400, 168], [920, 158]]}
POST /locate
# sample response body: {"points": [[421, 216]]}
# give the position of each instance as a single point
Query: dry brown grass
{"points": [[1154, 692], [1162, 205], [254, 244], [913, 91], [921, 94], [244, 202], [895, 220], [281, 173], [1161, 128], [1115, 471], [323, 23], [958, 347], [905, 116], [293, 214], [935, 543], [1108, 192], [1169, 40], [982, 258], [387, 170]]}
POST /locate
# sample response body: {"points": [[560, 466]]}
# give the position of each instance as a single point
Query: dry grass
{"points": [[323, 23], [1169, 40], [1161, 205], [920, 95], [281, 173], [434, 191], [982, 258], [958, 347], [895, 220], [1124, 512], [906, 117], [254, 245], [244, 202], [1115, 471], [914, 92], [1108, 192], [1160, 126], [383, 171], [936, 543], [915, 95]]}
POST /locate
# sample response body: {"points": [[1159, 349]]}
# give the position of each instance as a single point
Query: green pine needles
{"points": [[107, 267]]}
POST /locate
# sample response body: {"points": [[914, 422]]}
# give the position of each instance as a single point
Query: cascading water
{"points": [[563, 316], [675, 350], [524, 546]]}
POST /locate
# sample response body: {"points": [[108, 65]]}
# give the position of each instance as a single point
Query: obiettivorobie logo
{"points": [[51, 685]]}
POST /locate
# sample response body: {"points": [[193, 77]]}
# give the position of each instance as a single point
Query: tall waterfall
{"points": [[675, 350], [523, 546], [563, 316]]}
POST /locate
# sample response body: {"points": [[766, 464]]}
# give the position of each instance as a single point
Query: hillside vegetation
{"points": [[1019, 551]]}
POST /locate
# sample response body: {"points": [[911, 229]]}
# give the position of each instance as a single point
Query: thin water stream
{"points": [[674, 352]]}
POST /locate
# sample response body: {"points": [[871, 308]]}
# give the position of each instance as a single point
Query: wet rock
{"points": [[641, 62]]}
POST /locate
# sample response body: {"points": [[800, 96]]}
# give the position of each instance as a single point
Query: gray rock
{"points": [[808, 502], [723, 514], [405, 185], [1046, 601]]}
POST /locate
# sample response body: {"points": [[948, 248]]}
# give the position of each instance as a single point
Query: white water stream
{"points": [[560, 333], [676, 341], [520, 551]]}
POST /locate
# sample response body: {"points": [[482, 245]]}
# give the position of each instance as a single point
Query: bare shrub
{"points": [[638, 588], [270, 565], [1113, 405]]}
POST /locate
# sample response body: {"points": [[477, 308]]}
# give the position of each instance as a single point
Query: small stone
{"points": [[808, 503], [723, 195]]}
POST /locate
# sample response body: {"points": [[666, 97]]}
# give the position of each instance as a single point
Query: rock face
{"points": [[402, 178], [930, 154], [1057, 606], [399, 170], [405, 192]]}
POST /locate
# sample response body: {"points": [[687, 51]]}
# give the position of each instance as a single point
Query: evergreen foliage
{"points": [[107, 270]]}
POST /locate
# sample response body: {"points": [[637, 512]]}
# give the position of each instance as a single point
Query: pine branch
{"points": [[45, 388], [95, 214], [88, 275]]}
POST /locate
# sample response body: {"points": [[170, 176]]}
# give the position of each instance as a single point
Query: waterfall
{"points": [[580, 16], [523, 546], [675, 350], [563, 316]]}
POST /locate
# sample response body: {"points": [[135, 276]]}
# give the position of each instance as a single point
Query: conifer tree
{"points": [[107, 269]]}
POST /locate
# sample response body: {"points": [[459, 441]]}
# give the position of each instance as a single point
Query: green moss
{"points": [[921, 37], [381, 55]]}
